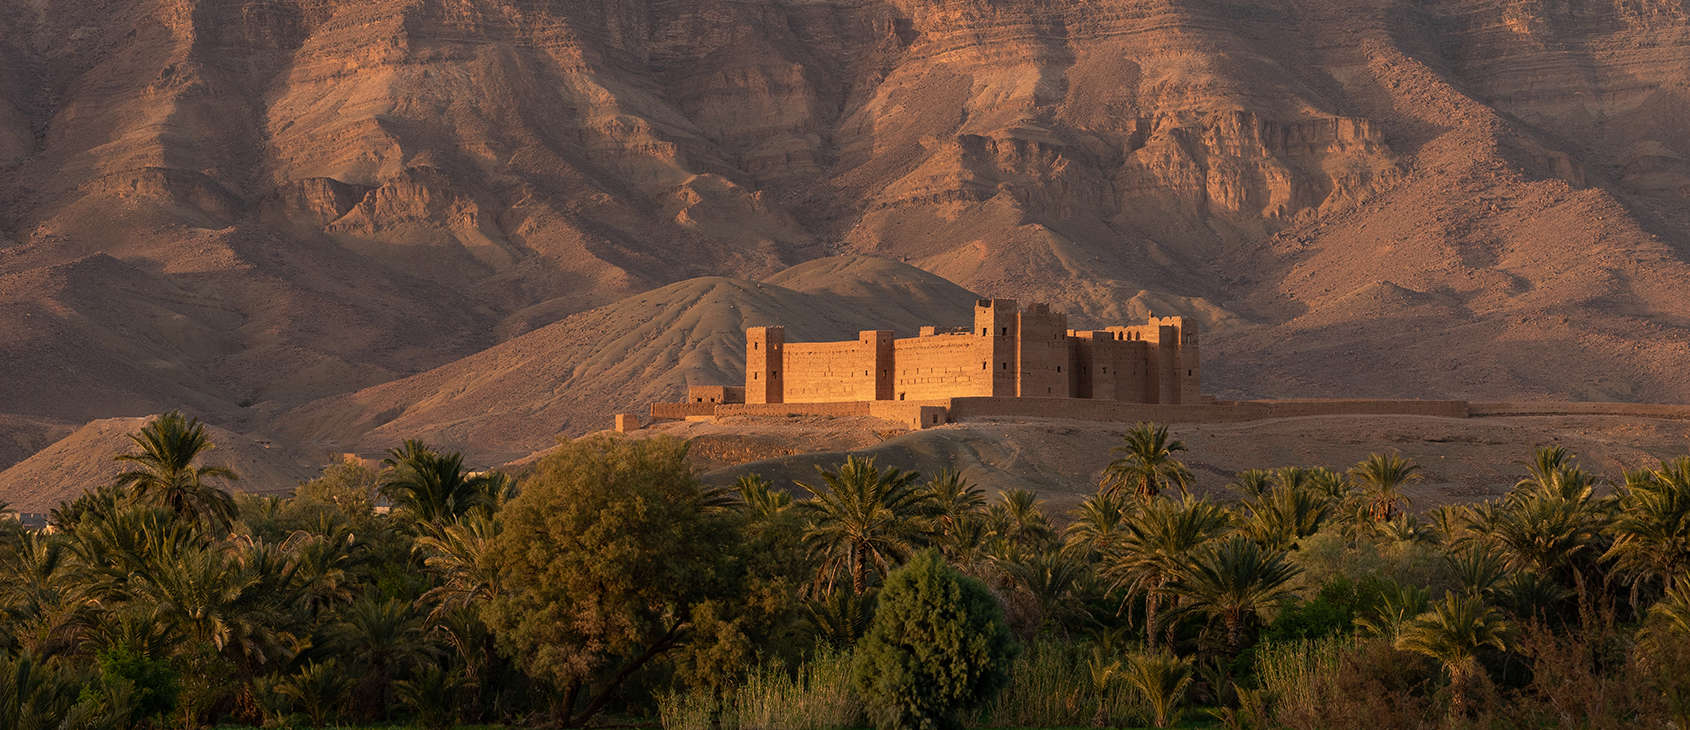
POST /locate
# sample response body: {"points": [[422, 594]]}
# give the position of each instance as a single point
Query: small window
{"points": [[774, 373], [756, 345], [1188, 373], [1047, 391], [753, 376], [982, 364], [1059, 368], [1003, 366], [1006, 330]]}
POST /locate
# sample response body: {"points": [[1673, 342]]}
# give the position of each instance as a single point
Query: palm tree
{"points": [[1053, 582], [1455, 632], [1161, 678], [1145, 463], [1019, 521], [1382, 476], [1096, 524], [319, 687], [1234, 580], [164, 472], [1155, 544], [1285, 514], [1671, 614], [1652, 533], [1397, 605], [1478, 568], [383, 635], [433, 487], [457, 553], [862, 519], [1252, 482], [839, 618], [952, 500], [759, 500], [1552, 529]]}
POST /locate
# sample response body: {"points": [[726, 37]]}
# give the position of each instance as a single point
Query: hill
{"points": [[570, 376], [84, 459]]}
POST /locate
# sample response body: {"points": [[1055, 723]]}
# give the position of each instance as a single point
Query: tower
{"points": [[999, 322], [764, 347]]}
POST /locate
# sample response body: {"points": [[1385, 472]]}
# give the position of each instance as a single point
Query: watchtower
{"points": [[764, 350], [999, 321]]}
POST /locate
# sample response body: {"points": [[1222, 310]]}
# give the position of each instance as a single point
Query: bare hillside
{"points": [[240, 207], [569, 377]]}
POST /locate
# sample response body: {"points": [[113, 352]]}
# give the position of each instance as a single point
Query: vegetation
{"points": [[606, 585], [938, 646]]}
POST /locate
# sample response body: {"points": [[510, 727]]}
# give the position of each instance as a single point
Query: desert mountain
{"points": [[239, 206], [568, 377]]}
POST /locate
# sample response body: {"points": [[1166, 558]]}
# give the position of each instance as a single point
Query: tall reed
{"points": [[815, 696]]}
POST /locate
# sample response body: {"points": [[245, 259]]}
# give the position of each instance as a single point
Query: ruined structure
{"points": [[1009, 353]]}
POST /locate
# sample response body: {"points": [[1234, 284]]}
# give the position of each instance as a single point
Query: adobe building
{"points": [[1008, 353], [1012, 363]]}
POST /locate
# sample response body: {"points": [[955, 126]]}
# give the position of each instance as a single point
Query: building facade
{"points": [[1009, 352]]}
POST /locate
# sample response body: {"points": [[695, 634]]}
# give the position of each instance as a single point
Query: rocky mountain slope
{"points": [[243, 206]]}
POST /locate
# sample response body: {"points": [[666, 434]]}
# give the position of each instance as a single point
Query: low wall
{"points": [[922, 413], [915, 415], [680, 411], [854, 408], [1568, 408], [1119, 411]]}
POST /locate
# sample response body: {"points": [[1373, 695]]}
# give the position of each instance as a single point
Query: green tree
{"points": [[1382, 476], [952, 501], [1096, 525], [1455, 632], [1155, 545], [164, 472], [429, 486], [1145, 463], [1234, 580], [605, 554], [862, 519], [938, 647], [1652, 533]]}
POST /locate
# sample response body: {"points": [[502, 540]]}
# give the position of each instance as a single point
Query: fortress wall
{"points": [[945, 366], [860, 408], [829, 372], [1043, 354]]}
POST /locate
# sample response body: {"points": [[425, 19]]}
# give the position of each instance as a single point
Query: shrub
{"points": [[938, 646], [1161, 679]]}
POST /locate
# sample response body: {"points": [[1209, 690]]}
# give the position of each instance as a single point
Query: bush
{"points": [[938, 646]]}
